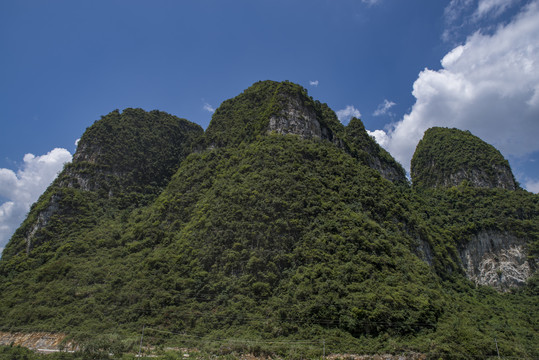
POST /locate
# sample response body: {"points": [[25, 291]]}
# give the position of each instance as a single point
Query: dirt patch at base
{"points": [[37, 340]]}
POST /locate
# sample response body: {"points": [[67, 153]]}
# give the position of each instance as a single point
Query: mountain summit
{"points": [[269, 106], [447, 157], [285, 108]]}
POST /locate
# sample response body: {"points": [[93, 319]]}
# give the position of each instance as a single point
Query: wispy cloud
{"points": [[463, 17], [493, 7], [208, 108], [370, 2], [313, 83], [25, 186], [347, 113], [383, 108]]}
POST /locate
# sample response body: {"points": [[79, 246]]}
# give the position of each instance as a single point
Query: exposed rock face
{"points": [[478, 178], [449, 157], [424, 251], [298, 117], [42, 220], [295, 118], [496, 259], [272, 107], [388, 171]]}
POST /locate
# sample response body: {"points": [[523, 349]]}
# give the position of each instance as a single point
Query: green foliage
{"points": [[247, 116], [367, 150], [142, 148], [447, 157], [123, 161]]}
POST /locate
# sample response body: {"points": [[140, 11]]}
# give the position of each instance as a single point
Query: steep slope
{"points": [[495, 228], [494, 233], [122, 161], [447, 157], [286, 108], [365, 148]]}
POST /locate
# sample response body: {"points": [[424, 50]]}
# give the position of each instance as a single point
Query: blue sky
{"points": [[402, 66]]}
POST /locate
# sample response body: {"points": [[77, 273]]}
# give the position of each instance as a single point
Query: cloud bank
{"points": [[23, 188], [489, 85]]}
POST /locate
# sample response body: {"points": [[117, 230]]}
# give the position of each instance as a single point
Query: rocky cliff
{"points": [[497, 259]]}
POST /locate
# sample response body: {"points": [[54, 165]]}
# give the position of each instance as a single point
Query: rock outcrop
{"points": [[272, 107], [295, 117], [498, 259], [298, 114]]}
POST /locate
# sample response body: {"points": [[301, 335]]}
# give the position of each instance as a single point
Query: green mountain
{"points": [[277, 224], [447, 157]]}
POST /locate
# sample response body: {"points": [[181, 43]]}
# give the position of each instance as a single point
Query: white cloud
{"points": [[384, 107], [532, 186], [77, 142], [489, 85], [347, 113], [313, 83], [208, 108], [23, 188], [380, 136]]}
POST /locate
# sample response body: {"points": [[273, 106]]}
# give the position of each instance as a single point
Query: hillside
{"points": [[448, 157], [277, 224]]}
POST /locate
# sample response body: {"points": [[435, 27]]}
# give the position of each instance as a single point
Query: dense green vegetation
{"points": [[366, 149], [446, 157], [260, 243], [123, 161], [246, 116]]}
